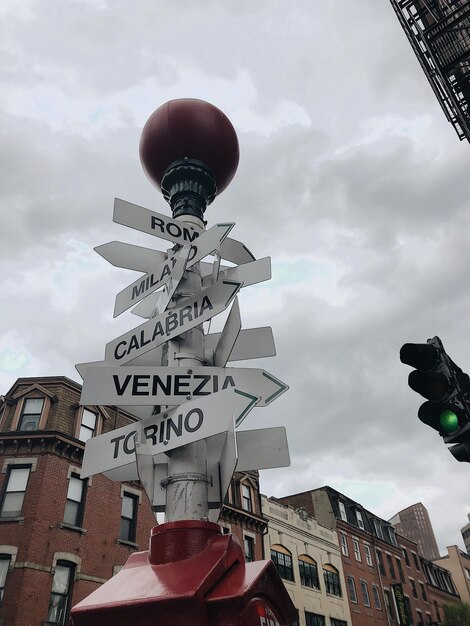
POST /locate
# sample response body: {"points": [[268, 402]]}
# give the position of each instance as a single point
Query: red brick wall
{"points": [[40, 536]]}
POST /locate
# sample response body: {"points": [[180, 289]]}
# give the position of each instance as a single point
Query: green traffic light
{"points": [[448, 421]]}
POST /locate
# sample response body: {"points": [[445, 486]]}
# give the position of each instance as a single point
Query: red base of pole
{"points": [[192, 575]]}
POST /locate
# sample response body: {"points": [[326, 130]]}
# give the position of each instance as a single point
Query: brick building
{"points": [[383, 571], [60, 536]]}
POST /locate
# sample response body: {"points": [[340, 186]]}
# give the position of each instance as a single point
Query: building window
{"points": [[331, 577], [378, 529], [400, 570], [416, 561], [390, 567], [308, 572], [368, 554], [365, 593], [380, 562], [436, 608], [61, 595], [75, 503], [423, 592], [352, 589], [391, 535], [409, 610], [31, 414], [313, 619], [282, 559], [413, 588], [376, 594], [338, 622], [5, 560], [344, 544], [128, 517], [389, 606], [420, 618], [247, 504], [360, 521], [15, 487], [357, 550], [88, 425], [249, 543], [342, 511], [407, 560]]}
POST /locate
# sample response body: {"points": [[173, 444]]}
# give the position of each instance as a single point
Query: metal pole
{"points": [[186, 486]]}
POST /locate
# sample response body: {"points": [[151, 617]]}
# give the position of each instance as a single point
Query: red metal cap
{"points": [[194, 129]]}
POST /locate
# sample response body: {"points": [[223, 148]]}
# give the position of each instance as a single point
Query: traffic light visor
{"points": [[422, 356]]}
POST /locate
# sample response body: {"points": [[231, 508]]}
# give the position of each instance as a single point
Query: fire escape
{"points": [[439, 33]]}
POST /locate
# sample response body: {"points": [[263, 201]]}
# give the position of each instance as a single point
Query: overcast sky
{"points": [[350, 178]]}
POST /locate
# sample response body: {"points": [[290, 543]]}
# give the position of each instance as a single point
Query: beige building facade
{"points": [[457, 563], [308, 558]]}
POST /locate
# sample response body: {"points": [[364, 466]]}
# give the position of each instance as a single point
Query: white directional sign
{"points": [[172, 268], [263, 448], [206, 243], [229, 336], [131, 257], [252, 343], [171, 386], [248, 274], [159, 225], [194, 421], [172, 323]]}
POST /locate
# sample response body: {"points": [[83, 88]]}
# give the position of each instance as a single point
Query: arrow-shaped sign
{"points": [[172, 323], [264, 448], [131, 257], [172, 268], [229, 336], [252, 343], [169, 386], [159, 225], [206, 243], [194, 421], [248, 274]]}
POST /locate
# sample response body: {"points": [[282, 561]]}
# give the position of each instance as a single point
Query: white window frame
{"points": [[356, 549], [364, 587], [368, 555], [360, 521], [351, 578], [342, 511], [344, 544]]}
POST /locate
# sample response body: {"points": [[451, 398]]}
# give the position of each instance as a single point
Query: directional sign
{"points": [[172, 268], [194, 421], [252, 343], [206, 243], [170, 386], [131, 257], [229, 336], [160, 225], [172, 323], [264, 448], [248, 274]]}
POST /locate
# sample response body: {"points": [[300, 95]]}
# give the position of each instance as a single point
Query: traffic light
{"points": [[447, 390]]}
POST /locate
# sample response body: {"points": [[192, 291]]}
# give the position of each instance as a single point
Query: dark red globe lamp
{"points": [[189, 150], [192, 574]]}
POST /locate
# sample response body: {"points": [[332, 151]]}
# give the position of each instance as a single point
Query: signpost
{"points": [[172, 323], [171, 386], [185, 443]]}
